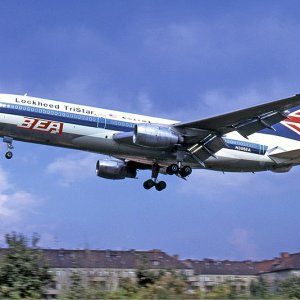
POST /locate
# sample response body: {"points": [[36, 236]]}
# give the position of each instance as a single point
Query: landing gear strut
{"points": [[8, 141], [150, 183]]}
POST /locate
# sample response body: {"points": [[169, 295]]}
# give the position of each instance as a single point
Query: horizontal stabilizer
{"points": [[286, 155]]}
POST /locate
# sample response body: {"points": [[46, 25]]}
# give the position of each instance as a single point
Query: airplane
{"points": [[259, 138]]}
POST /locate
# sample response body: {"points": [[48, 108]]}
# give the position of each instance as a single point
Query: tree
{"points": [[129, 286], [222, 291], [23, 273], [145, 277], [290, 287], [259, 289], [76, 290], [163, 285]]}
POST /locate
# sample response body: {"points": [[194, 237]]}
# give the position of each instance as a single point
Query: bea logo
{"points": [[42, 125]]}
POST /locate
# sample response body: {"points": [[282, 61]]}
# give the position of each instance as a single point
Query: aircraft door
{"points": [[101, 121]]}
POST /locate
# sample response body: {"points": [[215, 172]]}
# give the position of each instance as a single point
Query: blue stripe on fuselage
{"points": [[116, 125], [245, 146], [66, 117]]}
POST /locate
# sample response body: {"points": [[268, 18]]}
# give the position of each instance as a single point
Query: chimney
{"points": [[284, 254]]}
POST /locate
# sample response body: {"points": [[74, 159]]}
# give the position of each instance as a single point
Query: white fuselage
{"points": [[87, 128]]}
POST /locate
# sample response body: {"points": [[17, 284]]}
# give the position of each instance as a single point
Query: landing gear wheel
{"points": [[8, 154], [185, 171], [161, 185], [148, 184], [172, 169]]}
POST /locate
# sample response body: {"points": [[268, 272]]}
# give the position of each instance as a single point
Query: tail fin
{"points": [[290, 127]]}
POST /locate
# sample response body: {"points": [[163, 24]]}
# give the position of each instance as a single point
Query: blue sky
{"points": [[183, 60]]}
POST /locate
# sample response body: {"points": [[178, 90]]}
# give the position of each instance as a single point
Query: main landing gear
{"points": [[180, 171], [150, 183], [8, 141]]}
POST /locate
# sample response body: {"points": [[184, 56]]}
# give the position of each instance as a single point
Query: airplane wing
{"points": [[246, 121], [203, 138]]}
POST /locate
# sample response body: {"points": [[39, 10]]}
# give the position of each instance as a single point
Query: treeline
{"points": [[148, 285], [24, 274]]}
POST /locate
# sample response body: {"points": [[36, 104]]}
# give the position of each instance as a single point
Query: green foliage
{"points": [[128, 286], [290, 288], [259, 289], [165, 285], [21, 273], [145, 277], [76, 289], [222, 291]]}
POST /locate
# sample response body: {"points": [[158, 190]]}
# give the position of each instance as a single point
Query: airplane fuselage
{"points": [[93, 129]]}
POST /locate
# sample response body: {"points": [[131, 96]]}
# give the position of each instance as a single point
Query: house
{"points": [[105, 268], [210, 272], [278, 269]]}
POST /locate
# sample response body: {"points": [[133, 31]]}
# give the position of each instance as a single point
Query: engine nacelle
{"points": [[114, 169], [155, 136]]}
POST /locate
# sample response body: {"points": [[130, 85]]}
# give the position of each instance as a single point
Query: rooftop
{"points": [[225, 267], [157, 259], [110, 259]]}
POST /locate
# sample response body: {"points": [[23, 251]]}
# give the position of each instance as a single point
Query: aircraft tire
{"points": [[8, 154], [172, 169], [148, 184], [185, 171], [160, 186]]}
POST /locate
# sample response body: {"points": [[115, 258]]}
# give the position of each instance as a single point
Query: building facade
{"points": [[210, 273], [279, 269], [105, 269]]}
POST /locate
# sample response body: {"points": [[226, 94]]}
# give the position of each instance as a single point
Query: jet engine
{"points": [[114, 169], [155, 136]]}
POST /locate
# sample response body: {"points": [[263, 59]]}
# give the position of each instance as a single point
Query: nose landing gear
{"points": [[8, 141], [150, 183]]}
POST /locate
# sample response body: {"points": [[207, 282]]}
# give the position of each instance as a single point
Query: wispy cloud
{"points": [[145, 104], [242, 241], [73, 168], [197, 41], [15, 205], [213, 185], [216, 101], [203, 183], [14, 202]]}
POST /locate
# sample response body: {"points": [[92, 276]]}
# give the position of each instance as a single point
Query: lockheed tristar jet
{"points": [[259, 138]]}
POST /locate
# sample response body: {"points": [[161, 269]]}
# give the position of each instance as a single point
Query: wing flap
{"points": [[206, 148], [258, 123]]}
